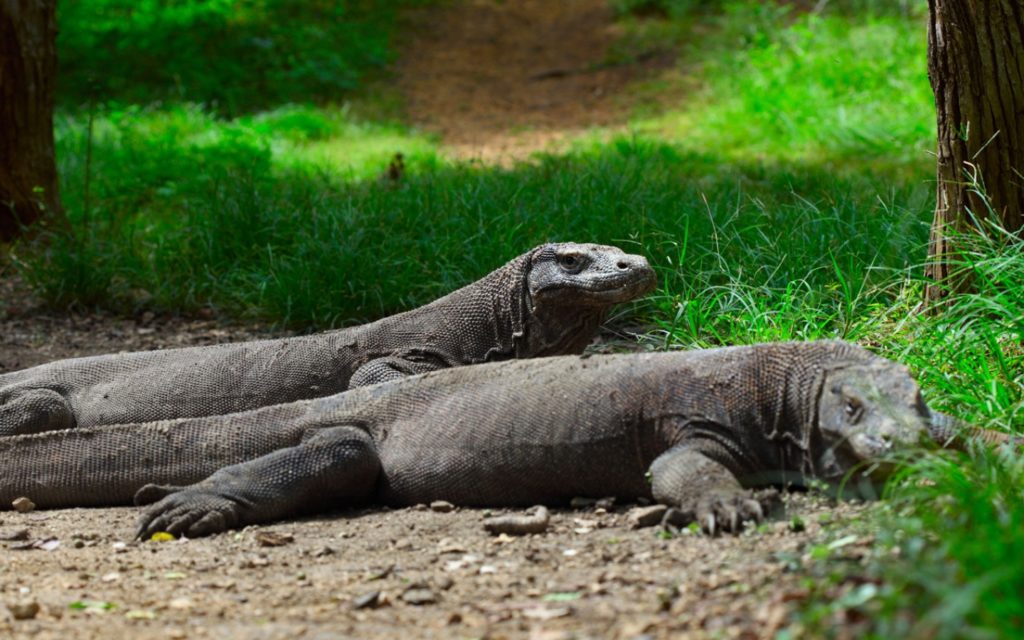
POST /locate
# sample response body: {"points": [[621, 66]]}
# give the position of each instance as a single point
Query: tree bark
{"points": [[976, 67], [28, 65]]}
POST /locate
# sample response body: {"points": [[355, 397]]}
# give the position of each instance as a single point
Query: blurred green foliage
{"points": [[232, 55]]}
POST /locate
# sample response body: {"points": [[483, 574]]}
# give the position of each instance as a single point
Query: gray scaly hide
{"points": [[708, 425], [549, 301]]}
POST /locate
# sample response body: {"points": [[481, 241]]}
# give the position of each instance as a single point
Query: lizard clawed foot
{"points": [[723, 511], [189, 511], [151, 493]]}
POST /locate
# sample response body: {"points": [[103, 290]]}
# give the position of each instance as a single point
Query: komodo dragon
{"points": [[549, 301], [709, 426]]}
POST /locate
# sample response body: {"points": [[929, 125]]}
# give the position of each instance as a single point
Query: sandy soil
{"points": [[424, 574]]}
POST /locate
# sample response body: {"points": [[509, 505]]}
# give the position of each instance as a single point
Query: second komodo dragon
{"points": [[549, 301], [708, 426]]}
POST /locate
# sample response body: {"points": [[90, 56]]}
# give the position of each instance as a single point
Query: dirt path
{"points": [[500, 80], [381, 573]]}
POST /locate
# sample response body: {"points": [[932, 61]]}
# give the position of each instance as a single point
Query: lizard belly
{"points": [[521, 466]]}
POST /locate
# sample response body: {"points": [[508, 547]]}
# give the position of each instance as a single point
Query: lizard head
{"points": [[866, 411], [589, 275]]}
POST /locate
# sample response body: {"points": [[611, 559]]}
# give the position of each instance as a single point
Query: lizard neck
{"points": [[509, 294], [553, 330], [524, 328], [479, 322], [804, 384]]}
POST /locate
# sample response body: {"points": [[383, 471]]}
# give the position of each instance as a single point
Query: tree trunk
{"points": [[976, 67], [28, 65]]}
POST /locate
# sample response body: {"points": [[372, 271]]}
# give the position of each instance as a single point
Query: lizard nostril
{"points": [[622, 265]]}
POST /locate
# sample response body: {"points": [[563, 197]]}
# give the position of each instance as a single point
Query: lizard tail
{"points": [[952, 433]]}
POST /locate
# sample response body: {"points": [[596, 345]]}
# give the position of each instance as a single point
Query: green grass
{"points": [[946, 558], [472, 218], [257, 232], [786, 196], [943, 560], [830, 88], [232, 55], [270, 215]]}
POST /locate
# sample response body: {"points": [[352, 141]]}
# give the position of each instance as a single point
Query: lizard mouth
{"points": [[846, 466], [608, 290], [869, 447], [873, 455]]}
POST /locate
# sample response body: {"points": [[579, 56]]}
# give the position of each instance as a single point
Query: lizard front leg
{"points": [[34, 411], [703, 491], [402, 363], [336, 464]]}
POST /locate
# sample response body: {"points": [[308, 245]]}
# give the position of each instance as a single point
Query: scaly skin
{"points": [[709, 426], [950, 433], [549, 301]]}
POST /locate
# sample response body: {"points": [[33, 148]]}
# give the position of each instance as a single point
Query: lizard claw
{"points": [[708, 525], [189, 511], [730, 511]]}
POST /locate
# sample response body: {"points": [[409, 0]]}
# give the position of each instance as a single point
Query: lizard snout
{"points": [[640, 275], [886, 435]]}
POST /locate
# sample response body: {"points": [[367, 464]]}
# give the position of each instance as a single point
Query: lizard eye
{"points": [[569, 261], [853, 410]]}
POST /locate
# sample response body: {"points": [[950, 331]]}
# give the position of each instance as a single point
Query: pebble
{"points": [[545, 613], [46, 544], [182, 604], [419, 596], [14, 535], [646, 516], [24, 610], [447, 546], [273, 538], [444, 583], [519, 524], [403, 544], [23, 505], [441, 506], [369, 600]]}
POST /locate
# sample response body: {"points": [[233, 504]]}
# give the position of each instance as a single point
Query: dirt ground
{"points": [[500, 80], [416, 572], [497, 81]]}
